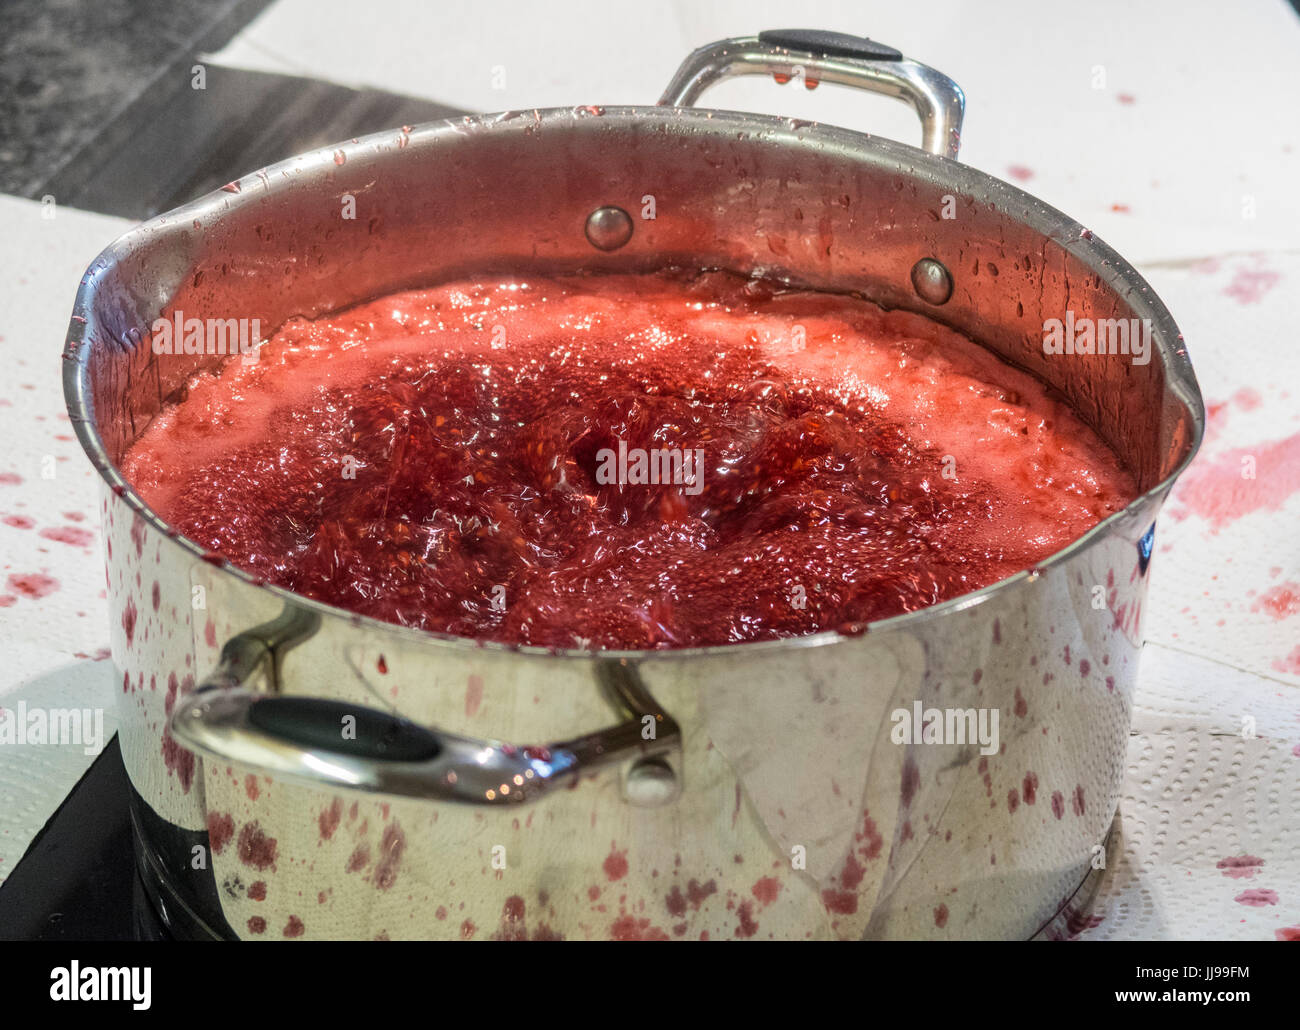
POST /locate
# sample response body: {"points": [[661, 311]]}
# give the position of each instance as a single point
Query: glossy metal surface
{"points": [[788, 800], [220, 719], [938, 101]]}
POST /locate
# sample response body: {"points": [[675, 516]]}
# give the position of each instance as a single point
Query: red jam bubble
{"points": [[437, 459]]}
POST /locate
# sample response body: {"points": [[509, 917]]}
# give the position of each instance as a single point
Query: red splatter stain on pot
{"points": [[19, 521], [852, 873], [697, 892], [221, 828], [359, 859], [467, 929], [1020, 173], [294, 927], [473, 695], [73, 536], [210, 634], [137, 535], [1058, 804], [329, 819], [1013, 800], [766, 890], [1078, 800], [256, 924], [10, 479], [391, 848], [441, 913], [1287, 933], [630, 928], [382, 666], [843, 903], [1022, 706], [1029, 788], [1127, 99], [1084, 666], [941, 916], [870, 837], [677, 902], [910, 782], [256, 849], [1239, 867], [257, 890], [748, 924], [513, 927], [251, 788], [1256, 897], [615, 864], [156, 595], [33, 585]]}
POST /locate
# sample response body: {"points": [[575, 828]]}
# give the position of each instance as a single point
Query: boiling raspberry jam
{"points": [[474, 460]]}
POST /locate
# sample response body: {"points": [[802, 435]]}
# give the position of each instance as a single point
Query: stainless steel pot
{"points": [[351, 778]]}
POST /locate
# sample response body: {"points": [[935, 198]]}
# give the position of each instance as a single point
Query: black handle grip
{"points": [[317, 723], [830, 44]]}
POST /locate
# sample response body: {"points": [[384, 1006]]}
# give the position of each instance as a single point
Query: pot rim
{"points": [[1103, 260]]}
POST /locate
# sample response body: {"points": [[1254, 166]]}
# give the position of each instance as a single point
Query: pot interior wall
{"points": [[512, 193]]}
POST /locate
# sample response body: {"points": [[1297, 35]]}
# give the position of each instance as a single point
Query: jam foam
{"points": [[433, 459]]}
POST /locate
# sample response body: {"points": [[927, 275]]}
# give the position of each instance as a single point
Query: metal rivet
{"points": [[608, 228], [650, 782], [931, 281]]}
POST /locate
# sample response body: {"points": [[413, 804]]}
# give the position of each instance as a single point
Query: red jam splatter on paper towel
{"points": [[1249, 285], [1216, 490], [1240, 867], [1257, 897]]}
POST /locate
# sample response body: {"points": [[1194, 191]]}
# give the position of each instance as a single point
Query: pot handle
{"points": [[817, 56], [336, 744]]}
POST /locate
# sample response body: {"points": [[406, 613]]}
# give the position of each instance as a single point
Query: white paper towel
{"points": [[53, 618]]}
